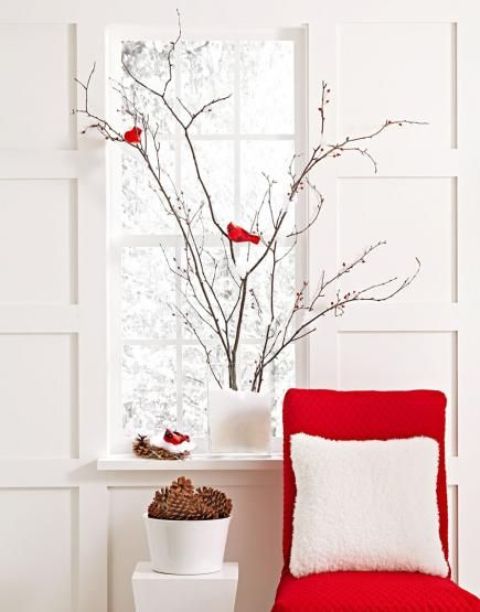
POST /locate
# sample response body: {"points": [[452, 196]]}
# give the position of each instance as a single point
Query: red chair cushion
{"points": [[371, 592], [363, 415]]}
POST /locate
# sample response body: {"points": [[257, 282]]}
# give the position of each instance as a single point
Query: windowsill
{"points": [[128, 462], [197, 461]]}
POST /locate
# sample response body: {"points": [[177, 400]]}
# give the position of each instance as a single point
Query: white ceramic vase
{"points": [[186, 547], [239, 421]]}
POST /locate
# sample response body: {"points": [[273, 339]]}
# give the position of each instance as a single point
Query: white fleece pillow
{"points": [[366, 505]]}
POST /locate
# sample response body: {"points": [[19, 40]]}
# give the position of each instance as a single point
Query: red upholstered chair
{"points": [[365, 415]]}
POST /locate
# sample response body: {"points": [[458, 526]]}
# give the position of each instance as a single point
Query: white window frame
{"points": [[118, 442]]}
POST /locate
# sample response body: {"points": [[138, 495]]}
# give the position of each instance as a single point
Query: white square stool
{"points": [[154, 592]]}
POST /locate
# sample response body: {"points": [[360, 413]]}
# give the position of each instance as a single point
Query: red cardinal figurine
{"points": [[133, 135], [175, 437], [238, 234]]}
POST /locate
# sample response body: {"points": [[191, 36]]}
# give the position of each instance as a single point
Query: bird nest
{"points": [[143, 448]]}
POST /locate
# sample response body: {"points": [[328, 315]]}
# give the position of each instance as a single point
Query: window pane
{"points": [[148, 287], [149, 392], [218, 276], [258, 311], [147, 60], [216, 163], [207, 69], [260, 77], [142, 210], [194, 389], [267, 87], [272, 158]]}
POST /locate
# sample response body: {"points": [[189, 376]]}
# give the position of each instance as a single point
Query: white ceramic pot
{"points": [[186, 547], [239, 421]]}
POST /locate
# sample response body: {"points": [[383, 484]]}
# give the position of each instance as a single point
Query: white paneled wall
{"points": [[70, 534], [38, 241], [417, 218], [397, 70], [406, 360], [37, 61], [38, 395], [37, 524]]}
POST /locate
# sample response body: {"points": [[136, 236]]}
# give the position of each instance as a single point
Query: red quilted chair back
{"points": [[363, 415]]}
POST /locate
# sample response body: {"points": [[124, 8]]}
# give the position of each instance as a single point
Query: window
{"points": [[159, 377]]}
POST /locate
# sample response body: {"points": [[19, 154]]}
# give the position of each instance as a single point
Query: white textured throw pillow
{"points": [[366, 505]]}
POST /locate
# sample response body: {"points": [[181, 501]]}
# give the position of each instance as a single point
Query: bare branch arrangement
{"points": [[218, 291]]}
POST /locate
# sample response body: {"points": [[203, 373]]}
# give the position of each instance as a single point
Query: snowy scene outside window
{"points": [[162, 371]]}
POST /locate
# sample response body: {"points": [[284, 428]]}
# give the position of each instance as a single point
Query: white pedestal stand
{"points": [[154, 592]]}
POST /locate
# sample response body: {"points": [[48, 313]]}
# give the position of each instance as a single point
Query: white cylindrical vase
{"points": [[186, 546], [239, 421]]}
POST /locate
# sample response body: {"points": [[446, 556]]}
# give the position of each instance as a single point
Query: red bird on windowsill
{"points": [[175, 437], [238, 234]]}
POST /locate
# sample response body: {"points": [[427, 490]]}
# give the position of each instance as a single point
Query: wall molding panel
{"points": [[87, 535]]}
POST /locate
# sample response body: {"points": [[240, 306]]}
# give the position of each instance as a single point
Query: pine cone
{"points": [[182, 486], [183, 507], [158, 507], [215, 503], [207, 513], [141, 446], [180, 501]]}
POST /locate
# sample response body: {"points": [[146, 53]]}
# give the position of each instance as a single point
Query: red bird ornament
{"points": [[238, 234], [133, 136], [175, 437]]}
